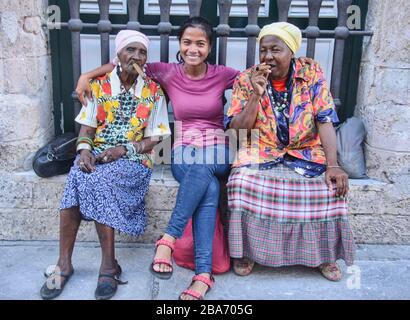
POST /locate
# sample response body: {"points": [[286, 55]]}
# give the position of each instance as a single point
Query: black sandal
{"points": [[106, 289], [48, 293]]}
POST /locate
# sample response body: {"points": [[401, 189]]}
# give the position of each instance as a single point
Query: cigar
{"points": [[257, 68], [139, 70]]}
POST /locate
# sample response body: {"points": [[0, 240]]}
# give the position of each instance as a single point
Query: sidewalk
{"points": [[381, 272]]}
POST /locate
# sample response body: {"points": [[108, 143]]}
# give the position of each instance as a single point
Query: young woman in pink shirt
{"points": [[200, 152]]}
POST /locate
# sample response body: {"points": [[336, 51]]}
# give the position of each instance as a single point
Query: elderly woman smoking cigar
{"points": [[111, 174]]}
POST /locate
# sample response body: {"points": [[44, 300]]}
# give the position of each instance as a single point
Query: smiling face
{"points": [[274, 52], [194, 46], [135, 52]]}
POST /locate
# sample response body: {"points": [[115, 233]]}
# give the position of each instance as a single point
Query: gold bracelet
{"points": [[333, 166]]}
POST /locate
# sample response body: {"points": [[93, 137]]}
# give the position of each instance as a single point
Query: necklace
{"points": [[279, 100], [125, 98]]}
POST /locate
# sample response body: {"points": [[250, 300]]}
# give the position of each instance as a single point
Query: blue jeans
{"points": [[197, 170]]}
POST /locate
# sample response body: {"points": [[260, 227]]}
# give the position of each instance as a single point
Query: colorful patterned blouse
{"points": [[122, 116], [310, 101]]}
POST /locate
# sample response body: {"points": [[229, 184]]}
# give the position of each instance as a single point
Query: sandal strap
{"points": [[330, 267], [112, 276], [162, 261], [208, 281], [60, 274], [193, 293], [164, 242]]}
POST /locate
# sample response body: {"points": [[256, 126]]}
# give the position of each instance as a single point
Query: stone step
{"points": [[29, 209]]}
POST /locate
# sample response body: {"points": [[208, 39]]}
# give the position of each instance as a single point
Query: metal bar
{"points": [[341, 34], [313, 31], [194, 7], [357, 33], [104, 27], [164, 28], [352, 33], [283, 9], [223, 29], [75, 26], [252, 30], [133, 7]]}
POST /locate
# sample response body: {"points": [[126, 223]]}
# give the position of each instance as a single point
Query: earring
{"points": [[119, 66]]}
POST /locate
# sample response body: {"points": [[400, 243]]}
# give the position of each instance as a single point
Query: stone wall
{"points": [[29, 207], [384, 90], [384, 106], [25, 83]]}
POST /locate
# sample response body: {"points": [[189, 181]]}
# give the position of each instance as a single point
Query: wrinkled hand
{"points": [[83, 89], [259, 78], [340, 177], [111, 154], [86, 163]]}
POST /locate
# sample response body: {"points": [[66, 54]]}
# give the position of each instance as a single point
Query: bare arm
{"points": [[333, 172], [146, 145], [246, 119], [115, 153], [87, 159], [83, 85]]}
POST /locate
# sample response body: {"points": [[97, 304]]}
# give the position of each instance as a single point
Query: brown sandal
{"points": [[331, 271]]}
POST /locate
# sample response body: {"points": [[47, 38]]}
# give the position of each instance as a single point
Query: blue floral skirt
{"points": [[113, 195]]}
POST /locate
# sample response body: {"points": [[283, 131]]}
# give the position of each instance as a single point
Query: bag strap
{"points": [[51, 153], [66, 143]]}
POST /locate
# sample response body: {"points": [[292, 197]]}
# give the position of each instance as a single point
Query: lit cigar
{"points": [[139, 70]]}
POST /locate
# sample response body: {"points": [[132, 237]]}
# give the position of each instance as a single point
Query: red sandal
{"points": [[208, 281], [159, 274]]}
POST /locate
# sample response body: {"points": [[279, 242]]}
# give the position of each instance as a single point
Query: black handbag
{"points": [[56, 157]]}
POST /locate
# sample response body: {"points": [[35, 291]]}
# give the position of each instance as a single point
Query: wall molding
{"points": [[299, 9], [239, 9], [91, 6], [180, 7]]}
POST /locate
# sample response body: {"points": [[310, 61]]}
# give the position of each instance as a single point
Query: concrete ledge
{"points": [[29, 209]]}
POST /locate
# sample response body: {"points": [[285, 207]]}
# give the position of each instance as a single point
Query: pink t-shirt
{"points": [[197, 104]]}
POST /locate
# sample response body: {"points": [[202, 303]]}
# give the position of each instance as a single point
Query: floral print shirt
{"points": [[122, 116], [310, 102]]}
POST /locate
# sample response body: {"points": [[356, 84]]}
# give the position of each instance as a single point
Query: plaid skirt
{"points": [[280, 218]]}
